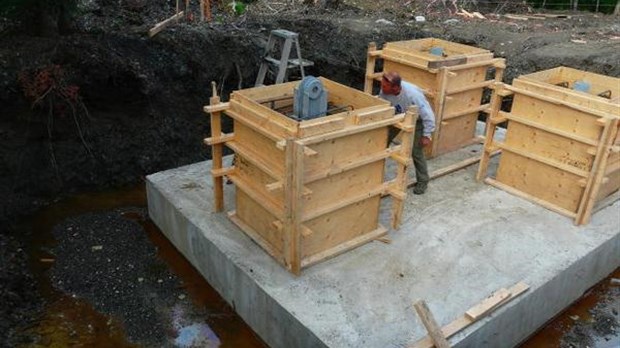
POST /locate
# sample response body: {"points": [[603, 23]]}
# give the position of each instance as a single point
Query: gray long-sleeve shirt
{"points": [[409, 95]]}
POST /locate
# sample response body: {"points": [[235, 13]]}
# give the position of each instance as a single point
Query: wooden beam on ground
{"points": [[163, 24], [464, 321], [430, 324]]}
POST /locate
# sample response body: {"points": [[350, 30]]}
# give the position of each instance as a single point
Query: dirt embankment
{"points": [[140, 99]]}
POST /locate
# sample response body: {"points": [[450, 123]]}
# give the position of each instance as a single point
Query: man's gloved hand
{"points": [[425, 141]]}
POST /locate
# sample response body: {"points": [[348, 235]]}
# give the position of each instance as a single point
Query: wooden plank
{"points": [[530, 198], [598, 172], [293, 186], [163, 24], [219, 140], [216, 107], [252, 233], [434, 331], [585, 110], [216, 149], [320, 126], [343, 247], [463, 321], [352, 130], [223, 171], [542, 159], [488, 304], [548, 129], [371, 115], [351, 164], [370, 67], [340, 94], [478, 85], [254, 157], [466, 112], [254, 192], [339, 204], [399, 191]]}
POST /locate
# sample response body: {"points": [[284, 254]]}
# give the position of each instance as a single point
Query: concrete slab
{"points": [[459, 243]]}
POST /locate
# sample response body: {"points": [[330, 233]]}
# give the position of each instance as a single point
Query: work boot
{"points": [[419, 188]]}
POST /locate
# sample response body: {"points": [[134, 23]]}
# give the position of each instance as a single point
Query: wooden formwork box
{"points": [[561, 148], [309, 190], [453, 83]]}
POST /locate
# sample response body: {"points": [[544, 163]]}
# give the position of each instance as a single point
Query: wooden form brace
{"points": [[453, 85], [560, 150], [286, 170]]}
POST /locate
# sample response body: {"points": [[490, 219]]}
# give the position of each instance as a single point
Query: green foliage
{"points": [[238, 7]]}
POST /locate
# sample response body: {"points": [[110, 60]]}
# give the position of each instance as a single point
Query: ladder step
{"points": [[292, 63], [283, 33]]}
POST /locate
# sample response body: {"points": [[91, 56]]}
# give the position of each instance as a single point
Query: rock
{"points": [[384, 21], [420, 19], [451, 21]]}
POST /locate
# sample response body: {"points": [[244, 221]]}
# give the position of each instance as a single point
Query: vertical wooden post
{"points": [[187, 13], [500, 67], [202, 10], [177, 11], [293, 187], [597, 173], [496, 103], [402, 172], [370, 68], [216, 151], [434, 330], [440, 100], [207, 9]]}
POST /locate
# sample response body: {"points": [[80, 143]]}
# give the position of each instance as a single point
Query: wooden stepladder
{"points": [[286, 39]]}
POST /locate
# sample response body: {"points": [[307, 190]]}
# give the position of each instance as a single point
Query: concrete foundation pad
{"points": [[459, 243]]}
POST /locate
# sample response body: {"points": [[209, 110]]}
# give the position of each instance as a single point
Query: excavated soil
{"points": [[139, 100]]}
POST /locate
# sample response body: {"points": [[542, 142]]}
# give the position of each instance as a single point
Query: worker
{"points": [[402, 95]]}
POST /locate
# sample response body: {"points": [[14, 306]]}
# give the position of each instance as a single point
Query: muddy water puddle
{"points": [[592, 321], [193, 316]]}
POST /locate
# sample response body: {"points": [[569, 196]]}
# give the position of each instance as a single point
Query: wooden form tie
{"points": [[286, 62]]}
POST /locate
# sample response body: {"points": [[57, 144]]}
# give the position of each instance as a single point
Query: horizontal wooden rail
{"points": [[255, 126], [496, 63], [471, 87], [254, 157], [216, 173], [361, 161], [383, 188], [216, 107], [254, 193], [548, 129], [466, 112], [352, 130], [555, 101], [219, 140], [530, 198], [544, 160]]}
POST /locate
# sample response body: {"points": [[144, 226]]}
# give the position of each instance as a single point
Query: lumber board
{"points": [[544, 203], [216, 107], [464, 321], [163, 24], [488, 304], [343, 247], [257, 237], [352, 130], [320, 125], [254, 192], [219, 140], [248, 153], [293, 204], [548, 129], [429, 322], [216, 149], [336, 205]]}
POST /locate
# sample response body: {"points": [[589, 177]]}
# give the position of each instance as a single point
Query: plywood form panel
{"points": [[263, 147], [557, 116], [340, 226], [540, 180], [342, 186], [420, 77], [551, 146], [332, 153], [456, 133], [260, 219]]}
